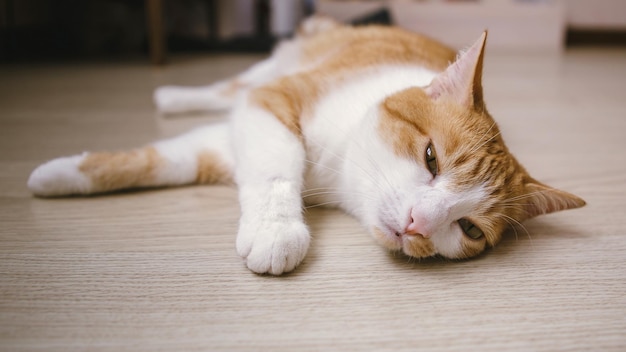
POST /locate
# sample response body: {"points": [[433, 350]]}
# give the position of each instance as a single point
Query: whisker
{"points": [[338, 190], [474, 147], [370, 160], [319, 193], [409, 259], [338, 172], [323, 166], [487, 141], [513, 227], [504, 216], [340, 158], [523, 196], [334, 202]]}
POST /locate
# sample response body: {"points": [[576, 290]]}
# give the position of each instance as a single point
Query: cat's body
{"points": [[373, 120]]}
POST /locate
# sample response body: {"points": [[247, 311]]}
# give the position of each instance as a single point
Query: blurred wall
{"points": [[596, 14]]}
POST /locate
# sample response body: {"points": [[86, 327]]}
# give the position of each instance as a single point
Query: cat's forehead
{"points": [[410, 119]]}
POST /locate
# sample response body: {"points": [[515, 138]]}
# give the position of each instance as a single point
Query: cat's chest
{"points": [[336, 124]]}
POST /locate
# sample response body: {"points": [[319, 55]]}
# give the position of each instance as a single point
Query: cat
{"points": [[386, 124]]}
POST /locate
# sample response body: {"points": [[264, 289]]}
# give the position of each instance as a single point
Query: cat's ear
{"points": [[543, 199], [462, 80]]}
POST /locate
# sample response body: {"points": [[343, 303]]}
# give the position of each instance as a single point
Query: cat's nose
{"points": [[418, 226]]}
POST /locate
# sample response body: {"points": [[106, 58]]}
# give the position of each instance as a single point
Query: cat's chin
{"points": [[417, 246]]}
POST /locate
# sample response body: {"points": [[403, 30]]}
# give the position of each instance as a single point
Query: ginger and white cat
{"points": [[378, 121]]}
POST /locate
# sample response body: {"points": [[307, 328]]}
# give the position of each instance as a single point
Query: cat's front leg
{"points": [[272, 236]]}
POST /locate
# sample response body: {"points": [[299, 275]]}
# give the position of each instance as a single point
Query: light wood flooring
{"points": [[157, 270]]}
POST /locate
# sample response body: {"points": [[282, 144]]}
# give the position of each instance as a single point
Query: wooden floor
{"points": [[152, 271]]}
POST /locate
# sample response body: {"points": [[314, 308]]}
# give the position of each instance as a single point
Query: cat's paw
{"points": [[317, 24], [175, 99], [59, 177], [170, 99], [273, 247]]}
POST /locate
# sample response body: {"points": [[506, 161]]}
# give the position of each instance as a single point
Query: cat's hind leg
{"points": [[178, 99], [221, 95], [203, 155]]}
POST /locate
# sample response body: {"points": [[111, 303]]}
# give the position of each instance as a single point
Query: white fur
{"points": [[181, 153], [350, 166], [335, 128], [272, 236], [218, 96], [175, 99], [60, 176]]}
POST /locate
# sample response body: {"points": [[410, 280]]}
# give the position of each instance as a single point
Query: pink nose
{"points": [[418, 225]]}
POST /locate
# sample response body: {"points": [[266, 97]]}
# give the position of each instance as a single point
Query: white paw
{"points": [[273, 247], [317, 24], [59, 177], [175, 99], [170, 99]]}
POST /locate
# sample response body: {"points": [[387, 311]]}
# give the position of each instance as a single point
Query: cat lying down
{"points": [[383, 123]]}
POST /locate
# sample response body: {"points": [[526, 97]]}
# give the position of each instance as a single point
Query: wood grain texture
{"points": [[157, 271]]}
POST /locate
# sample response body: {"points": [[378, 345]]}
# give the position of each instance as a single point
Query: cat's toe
{"points": [[274, 249]]}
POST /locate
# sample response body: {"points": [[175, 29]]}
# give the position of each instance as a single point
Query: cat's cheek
{"points": [[449, 244], [472, 248], [455, 245], [390, 242]]}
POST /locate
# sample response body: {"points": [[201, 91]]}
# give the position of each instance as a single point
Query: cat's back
{"points": [[347, 47]]}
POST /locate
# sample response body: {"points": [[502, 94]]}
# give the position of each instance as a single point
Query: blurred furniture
{"points": [[513, 24], [156, 31]]}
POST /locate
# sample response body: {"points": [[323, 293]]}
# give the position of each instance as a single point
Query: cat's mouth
{"points": [[388, 237], [411, 245]]}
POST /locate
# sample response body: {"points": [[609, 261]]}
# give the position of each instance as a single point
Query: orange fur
{"points": [[349, 48], [339, 54], [112, 171], [289, 99], [420, 247], [212, 170]]}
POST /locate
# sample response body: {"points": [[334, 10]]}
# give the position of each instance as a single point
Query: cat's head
{"points": [[446, 183]]}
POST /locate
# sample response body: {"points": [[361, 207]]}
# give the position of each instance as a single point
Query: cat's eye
{"points": [[431, 160], [470, 230]]}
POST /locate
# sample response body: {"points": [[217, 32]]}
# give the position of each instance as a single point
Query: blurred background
{"points": [[45, 30]]}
